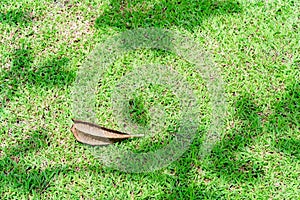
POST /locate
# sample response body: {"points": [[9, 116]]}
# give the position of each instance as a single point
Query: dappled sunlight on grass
{"points": [[254, 43]]}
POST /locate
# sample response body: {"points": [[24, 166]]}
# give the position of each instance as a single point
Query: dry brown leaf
{"points": [[93, 134]]}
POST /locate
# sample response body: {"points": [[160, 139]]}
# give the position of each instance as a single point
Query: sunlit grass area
{"points": [[255, 45]]}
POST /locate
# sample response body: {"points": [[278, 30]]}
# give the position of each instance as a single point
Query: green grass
{"points": [[254, 43]]}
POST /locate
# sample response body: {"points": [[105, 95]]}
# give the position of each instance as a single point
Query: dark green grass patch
{"points": [[254, 43]]}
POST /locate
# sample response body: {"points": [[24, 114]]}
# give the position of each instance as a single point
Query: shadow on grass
{"points": [[253, 124], [15, 172], [221, 164], [289, 146], [23, 74], [287, 117], [163, 14], [223, 160], [19, 175], [16, 17]]}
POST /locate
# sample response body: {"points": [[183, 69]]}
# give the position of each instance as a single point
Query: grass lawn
{"points": [[255, 44]]}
